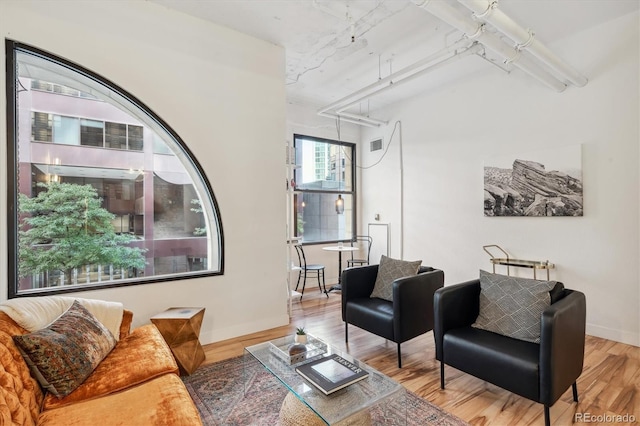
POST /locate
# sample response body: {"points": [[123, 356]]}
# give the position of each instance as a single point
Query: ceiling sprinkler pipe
{"points": [[391, 79], [467, 25], [456, 55], [488, 12], [362, 117], [347, 120]]}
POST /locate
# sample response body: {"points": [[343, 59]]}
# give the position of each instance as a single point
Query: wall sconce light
{"points": [[339, 205]]}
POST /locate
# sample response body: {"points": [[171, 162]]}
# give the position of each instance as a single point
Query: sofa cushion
{"points": [[390, 270], [141, 356], [62, 355], [20, 394], [163, 401], [513, 306]]}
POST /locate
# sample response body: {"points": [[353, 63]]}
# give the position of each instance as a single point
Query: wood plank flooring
{"points": [[609, 384]]}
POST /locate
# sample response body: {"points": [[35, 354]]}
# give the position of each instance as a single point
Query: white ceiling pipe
{"points": [[391, 79], [473, 30], [455, 55], [488, 12], [362, 117], [347, 120]]}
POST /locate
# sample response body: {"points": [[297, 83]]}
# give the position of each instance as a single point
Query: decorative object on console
{"points": [[62, 355], [543, 183], [390, 270]]}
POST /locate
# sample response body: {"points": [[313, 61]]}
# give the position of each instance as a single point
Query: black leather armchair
{"points": [[408, 316], [540, 372]]}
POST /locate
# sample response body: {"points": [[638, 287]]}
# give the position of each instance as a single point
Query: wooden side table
{"points": [[180, 328]]}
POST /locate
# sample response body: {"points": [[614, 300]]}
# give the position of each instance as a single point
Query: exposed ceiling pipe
{"points": [[359, 121], [391, 79], [475, 31], [488, 11], [474, 48], [337, 109], [362, 117]]}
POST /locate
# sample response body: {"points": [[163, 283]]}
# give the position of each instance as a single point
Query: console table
{"points": [[519, 263]]}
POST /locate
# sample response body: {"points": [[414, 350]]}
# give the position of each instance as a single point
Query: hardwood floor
{"points": [[609, 384]]}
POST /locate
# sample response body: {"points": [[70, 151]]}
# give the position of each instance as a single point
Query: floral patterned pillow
{"points": [[62, 355]]}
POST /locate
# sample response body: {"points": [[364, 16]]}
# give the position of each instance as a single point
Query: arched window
{"points": [[102, 192]]}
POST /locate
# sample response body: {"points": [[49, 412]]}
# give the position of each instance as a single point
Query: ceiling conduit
{"points": [[338, 109], [475, 31], [488, 12]]}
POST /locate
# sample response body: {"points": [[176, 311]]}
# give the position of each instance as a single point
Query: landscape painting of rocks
{"points": [[535, 184]]}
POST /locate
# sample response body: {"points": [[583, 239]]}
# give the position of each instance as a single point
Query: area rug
{"points": [[218, 391]]}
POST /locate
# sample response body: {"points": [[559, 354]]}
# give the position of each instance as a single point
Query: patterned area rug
{"points": [[218, 392]]}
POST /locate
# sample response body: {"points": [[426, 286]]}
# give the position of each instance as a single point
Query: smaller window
{"points": [[91, 133], [115, 135], [324, 203]]}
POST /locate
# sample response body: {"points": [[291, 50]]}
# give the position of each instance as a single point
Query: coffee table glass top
{"points": [[337, 406]]}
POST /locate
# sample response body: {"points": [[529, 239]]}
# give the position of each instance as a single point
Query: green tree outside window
{"points": [[65, 227]]}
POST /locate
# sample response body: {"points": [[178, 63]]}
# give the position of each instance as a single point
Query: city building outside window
{"points": [[324, 197], [101, 191]]}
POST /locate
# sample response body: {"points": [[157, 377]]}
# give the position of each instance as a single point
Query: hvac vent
{"points": [[375, 145]]}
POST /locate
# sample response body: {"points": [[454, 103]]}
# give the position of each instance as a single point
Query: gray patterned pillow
{"points": [[390, 270], [513, 306]]}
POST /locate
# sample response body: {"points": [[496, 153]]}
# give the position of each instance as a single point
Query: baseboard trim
{"points": [[622, 336]]}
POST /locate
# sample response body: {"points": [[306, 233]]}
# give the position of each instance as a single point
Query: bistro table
{"points": [[339, 248]]}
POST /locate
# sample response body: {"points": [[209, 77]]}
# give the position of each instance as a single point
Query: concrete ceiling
{"points": [[324, 64]]}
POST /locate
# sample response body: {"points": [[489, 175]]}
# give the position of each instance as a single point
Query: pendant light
{"points": [[339, 200], [339, 205]]}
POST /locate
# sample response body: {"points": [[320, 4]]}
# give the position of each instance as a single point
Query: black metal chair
{"points": [[364, 241], [306, 268]]}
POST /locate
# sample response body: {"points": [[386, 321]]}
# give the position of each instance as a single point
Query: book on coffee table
{"points": [[331, 373]]}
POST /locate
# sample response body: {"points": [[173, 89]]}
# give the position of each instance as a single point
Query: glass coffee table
{"points": [[377, 392]]}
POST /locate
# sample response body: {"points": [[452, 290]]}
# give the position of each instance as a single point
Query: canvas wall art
{"points": [[542, 183]]}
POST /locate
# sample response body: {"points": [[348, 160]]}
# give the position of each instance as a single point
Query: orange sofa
{"points": [[136, 384]]}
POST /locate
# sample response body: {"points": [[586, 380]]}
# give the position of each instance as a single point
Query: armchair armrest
{"points": [[357, 283], [454, 306], [562, 341], [413, 303]]}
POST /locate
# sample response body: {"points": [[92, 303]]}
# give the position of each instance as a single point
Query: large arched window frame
{"points": [[145, 200]]}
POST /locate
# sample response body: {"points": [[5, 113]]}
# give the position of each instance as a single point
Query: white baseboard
{"points": [[622, 336]]}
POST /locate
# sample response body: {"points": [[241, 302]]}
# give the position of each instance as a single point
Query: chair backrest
{"points": [[302, 260], [363, 241]]}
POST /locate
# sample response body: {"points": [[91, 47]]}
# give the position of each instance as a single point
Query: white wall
{"points": [[223, 93], [447, 135]]}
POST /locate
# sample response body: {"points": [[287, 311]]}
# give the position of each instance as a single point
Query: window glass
{"points": [[115, 135], [66, 130], [91, 133], [104, 209], [324, 199]]}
